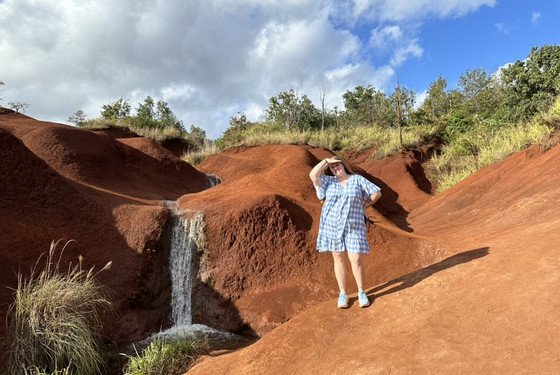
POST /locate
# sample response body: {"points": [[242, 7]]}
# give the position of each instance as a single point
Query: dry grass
{"points": [[54, 321]]}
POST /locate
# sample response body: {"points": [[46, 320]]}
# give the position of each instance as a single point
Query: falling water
{"points": [[213, 180], [186, 240], [187, 236]]}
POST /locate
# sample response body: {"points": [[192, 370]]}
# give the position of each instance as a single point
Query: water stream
{"points": [[187, 235], [186, 240]]}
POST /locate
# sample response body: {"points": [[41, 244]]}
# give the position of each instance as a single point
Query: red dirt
{"points": [[60, 182], [488, 306], [464, 282], [262, 221]]}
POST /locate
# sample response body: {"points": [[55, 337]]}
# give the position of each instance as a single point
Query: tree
{"points": [[1, 89], [116, 110], [166, 118], [532, 85], [472, 84], [293, 111], [367, 106], [437, 105], [146, 110], [78, 118], [19, 107], [407, 100], [234, 134], [399, 113], [197, 137], [437, 101]]}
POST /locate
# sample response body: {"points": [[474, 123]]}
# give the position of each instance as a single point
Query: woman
{"points": [[342, 227]]}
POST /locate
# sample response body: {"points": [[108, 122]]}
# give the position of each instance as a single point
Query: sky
{"points": [[211, 60]]}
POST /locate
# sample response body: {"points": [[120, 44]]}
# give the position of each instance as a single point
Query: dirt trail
{"points": [[492, 307]]}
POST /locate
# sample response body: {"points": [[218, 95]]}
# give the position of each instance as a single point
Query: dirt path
{"points": [[492, 308]]}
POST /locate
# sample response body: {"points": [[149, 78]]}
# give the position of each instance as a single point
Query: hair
{"points": [[348, 170]]}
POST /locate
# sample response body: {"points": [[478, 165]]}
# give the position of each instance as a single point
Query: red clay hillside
{"points": [[463, 282]]}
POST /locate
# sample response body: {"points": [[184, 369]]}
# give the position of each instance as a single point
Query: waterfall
{"points": [[186, 240], [187, 237], [213, 180]]}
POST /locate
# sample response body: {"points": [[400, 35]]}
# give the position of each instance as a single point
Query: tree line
{"points": [[150, 115], [514, 94]]}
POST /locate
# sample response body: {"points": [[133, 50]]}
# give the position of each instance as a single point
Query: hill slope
{"points": [[261, 226], [464, 282], [492, 307], [105, 193]]}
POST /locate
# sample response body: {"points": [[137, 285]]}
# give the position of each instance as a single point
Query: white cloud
{"points": [[420, 98], [502, 28], [208, 59], [536, 18], [394, 40], [403, 52], [383, 36], [407, 10]]}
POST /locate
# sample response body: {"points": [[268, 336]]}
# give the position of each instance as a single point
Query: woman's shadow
{"points": [[415, 277]]}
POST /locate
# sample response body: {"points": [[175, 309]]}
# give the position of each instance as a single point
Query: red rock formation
{"points": [[103, 192], [487, 305], [460, 280]]}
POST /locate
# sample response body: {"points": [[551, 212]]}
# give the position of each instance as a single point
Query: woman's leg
{"points": [[340, 270], [358, 269]]}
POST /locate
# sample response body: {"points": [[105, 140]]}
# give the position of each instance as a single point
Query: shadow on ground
{"points": [[415, 277]]}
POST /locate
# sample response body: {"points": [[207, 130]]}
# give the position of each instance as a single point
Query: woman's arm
{"points": [[372, 199], [315, 174]]}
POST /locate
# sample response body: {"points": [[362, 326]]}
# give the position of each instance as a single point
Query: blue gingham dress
{"points": [[342, 226]]}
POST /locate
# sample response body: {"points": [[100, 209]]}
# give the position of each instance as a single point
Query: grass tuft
{"points": [[166, 356], [196, 157], [54, 321]]}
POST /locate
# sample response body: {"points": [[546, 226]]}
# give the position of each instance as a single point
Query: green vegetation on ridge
{"points": [[485, 119]]}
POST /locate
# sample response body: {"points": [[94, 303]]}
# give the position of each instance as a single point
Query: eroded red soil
{"points": [[488, 305], [463, 282]]}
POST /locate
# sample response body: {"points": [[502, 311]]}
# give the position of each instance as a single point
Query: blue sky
{"points": [[211, 59], [488, 38]]}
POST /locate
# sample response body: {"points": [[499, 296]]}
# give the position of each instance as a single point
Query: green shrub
{"points": [[196, 157], [167, 357], [486, 144], [384, 139], [54, 321]]}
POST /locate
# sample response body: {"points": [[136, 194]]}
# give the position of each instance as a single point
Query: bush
{"points": [[484, 145], [54, 321], [167, 357], [384, 140], [196, 157]]}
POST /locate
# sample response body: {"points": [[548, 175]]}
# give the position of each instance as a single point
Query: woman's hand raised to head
{"points": [[316, 172]]}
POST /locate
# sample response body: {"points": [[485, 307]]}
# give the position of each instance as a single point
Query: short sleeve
{"points": [[368, 188], [321, 190]]}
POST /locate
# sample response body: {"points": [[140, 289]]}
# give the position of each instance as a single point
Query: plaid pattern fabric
{"points": [[342, 225]]}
